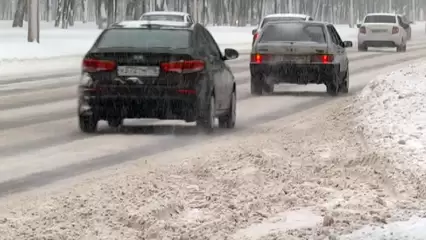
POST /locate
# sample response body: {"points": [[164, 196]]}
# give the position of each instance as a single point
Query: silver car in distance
{"points": [[299, 52]]}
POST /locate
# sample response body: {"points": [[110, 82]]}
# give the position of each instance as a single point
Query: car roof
{"points": [[382, 14], [165, 13], [287, 15], [145, 23], [304, 22]]}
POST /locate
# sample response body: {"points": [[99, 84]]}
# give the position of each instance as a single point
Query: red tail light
{"points": [[322, 59], [255, 36], [395, 30], [183, 66], [94, 65], [260, 58], [362, 30]]}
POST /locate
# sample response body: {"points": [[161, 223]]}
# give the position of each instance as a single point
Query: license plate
{"points": [[291, 59], [379, 30], [142, 71]]}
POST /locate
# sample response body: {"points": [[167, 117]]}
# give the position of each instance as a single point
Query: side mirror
{"points": [[231, 53], [347, 44], [358, 25], [253, 31]]}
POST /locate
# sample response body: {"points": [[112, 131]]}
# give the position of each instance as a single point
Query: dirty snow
{"points": [[278, 181], [391, 114]]}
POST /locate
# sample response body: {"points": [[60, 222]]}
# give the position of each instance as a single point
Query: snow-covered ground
{"points": [[61, 50], [391, 114]]}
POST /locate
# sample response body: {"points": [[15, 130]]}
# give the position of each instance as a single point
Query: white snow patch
{"points": [[392, 113], [413, 229], [280, 223]]}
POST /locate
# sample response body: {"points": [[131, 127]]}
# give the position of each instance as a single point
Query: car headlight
{"points": [[86, 79]]}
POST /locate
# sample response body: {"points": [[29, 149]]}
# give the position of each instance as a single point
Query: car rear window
{"points": [[145, 38], [276, 19], [160, 17], [380, 19], [293, 32]]}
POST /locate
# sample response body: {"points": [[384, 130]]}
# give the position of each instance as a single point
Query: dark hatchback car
{"points": [[163, 70]]}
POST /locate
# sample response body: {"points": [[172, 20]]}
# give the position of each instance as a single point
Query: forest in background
{"points": [[63, 13]]}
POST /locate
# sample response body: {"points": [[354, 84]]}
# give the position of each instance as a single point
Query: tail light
{"points": [[95, 65], [260, 58], [255, 36], [322, 58], [395, 30], [187, 66], [362, 30]]}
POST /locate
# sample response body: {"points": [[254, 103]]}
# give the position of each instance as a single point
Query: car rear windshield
{"points": [[293, 32], [380, 19], [145, 38], [276, 19], [160, 17]]}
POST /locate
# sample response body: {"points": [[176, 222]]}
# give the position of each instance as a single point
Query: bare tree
{"points": [[18, 20], [34, 20]]}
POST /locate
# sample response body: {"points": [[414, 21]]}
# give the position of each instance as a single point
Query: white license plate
{"points": [[379, 30], [134, 71]]}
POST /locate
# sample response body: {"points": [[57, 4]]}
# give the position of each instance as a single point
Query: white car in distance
{"points": [[383, 30], [279, 17], [167, 16]]}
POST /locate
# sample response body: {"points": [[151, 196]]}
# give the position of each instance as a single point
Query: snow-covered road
{"points": [[239, 184]]}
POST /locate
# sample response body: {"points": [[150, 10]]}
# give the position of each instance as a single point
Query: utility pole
{"points": [[413, 5], [390, 6], [290, 6], [351, 13], [33, 20]]}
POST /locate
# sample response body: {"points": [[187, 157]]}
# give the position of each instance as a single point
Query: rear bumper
{"points": [[370, 40], [295, 73], [155, 102]]}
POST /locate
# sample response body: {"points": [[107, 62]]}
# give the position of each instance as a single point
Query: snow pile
{"points": [[413, 229], [283, 180], [391, 111]]}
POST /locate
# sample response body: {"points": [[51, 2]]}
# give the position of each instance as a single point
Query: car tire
{"points": [[402, 47], [256, 84], [334, 83], [115, 122], [344, 85], [268, 87], [206, 119], [228, 120], [88, 124], [362, 48]]}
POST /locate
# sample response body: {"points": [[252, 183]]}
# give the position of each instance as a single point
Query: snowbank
{"points": [[391, 112], [391, 115]]}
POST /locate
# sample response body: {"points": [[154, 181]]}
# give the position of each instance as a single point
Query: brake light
{"points": [[187, 66], [95, 65], [260, 58], [323, 58], [186, 91], [395, 30], [255, 36], [362, 30]]}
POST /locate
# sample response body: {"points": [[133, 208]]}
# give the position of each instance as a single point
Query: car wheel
{"points": [[268, 87], [115, 122], [344, 86], [207, 118], [256, 84], [228, 121], [88, 124], [333, 84], [362, 48]]}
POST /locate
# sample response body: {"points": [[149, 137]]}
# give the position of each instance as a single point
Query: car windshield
{"points": [[145, 38], [380, 19], [293, 32], [163, 17], [276, 19]]}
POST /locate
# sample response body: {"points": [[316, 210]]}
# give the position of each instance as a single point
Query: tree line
{"points": [[63, 13]]}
